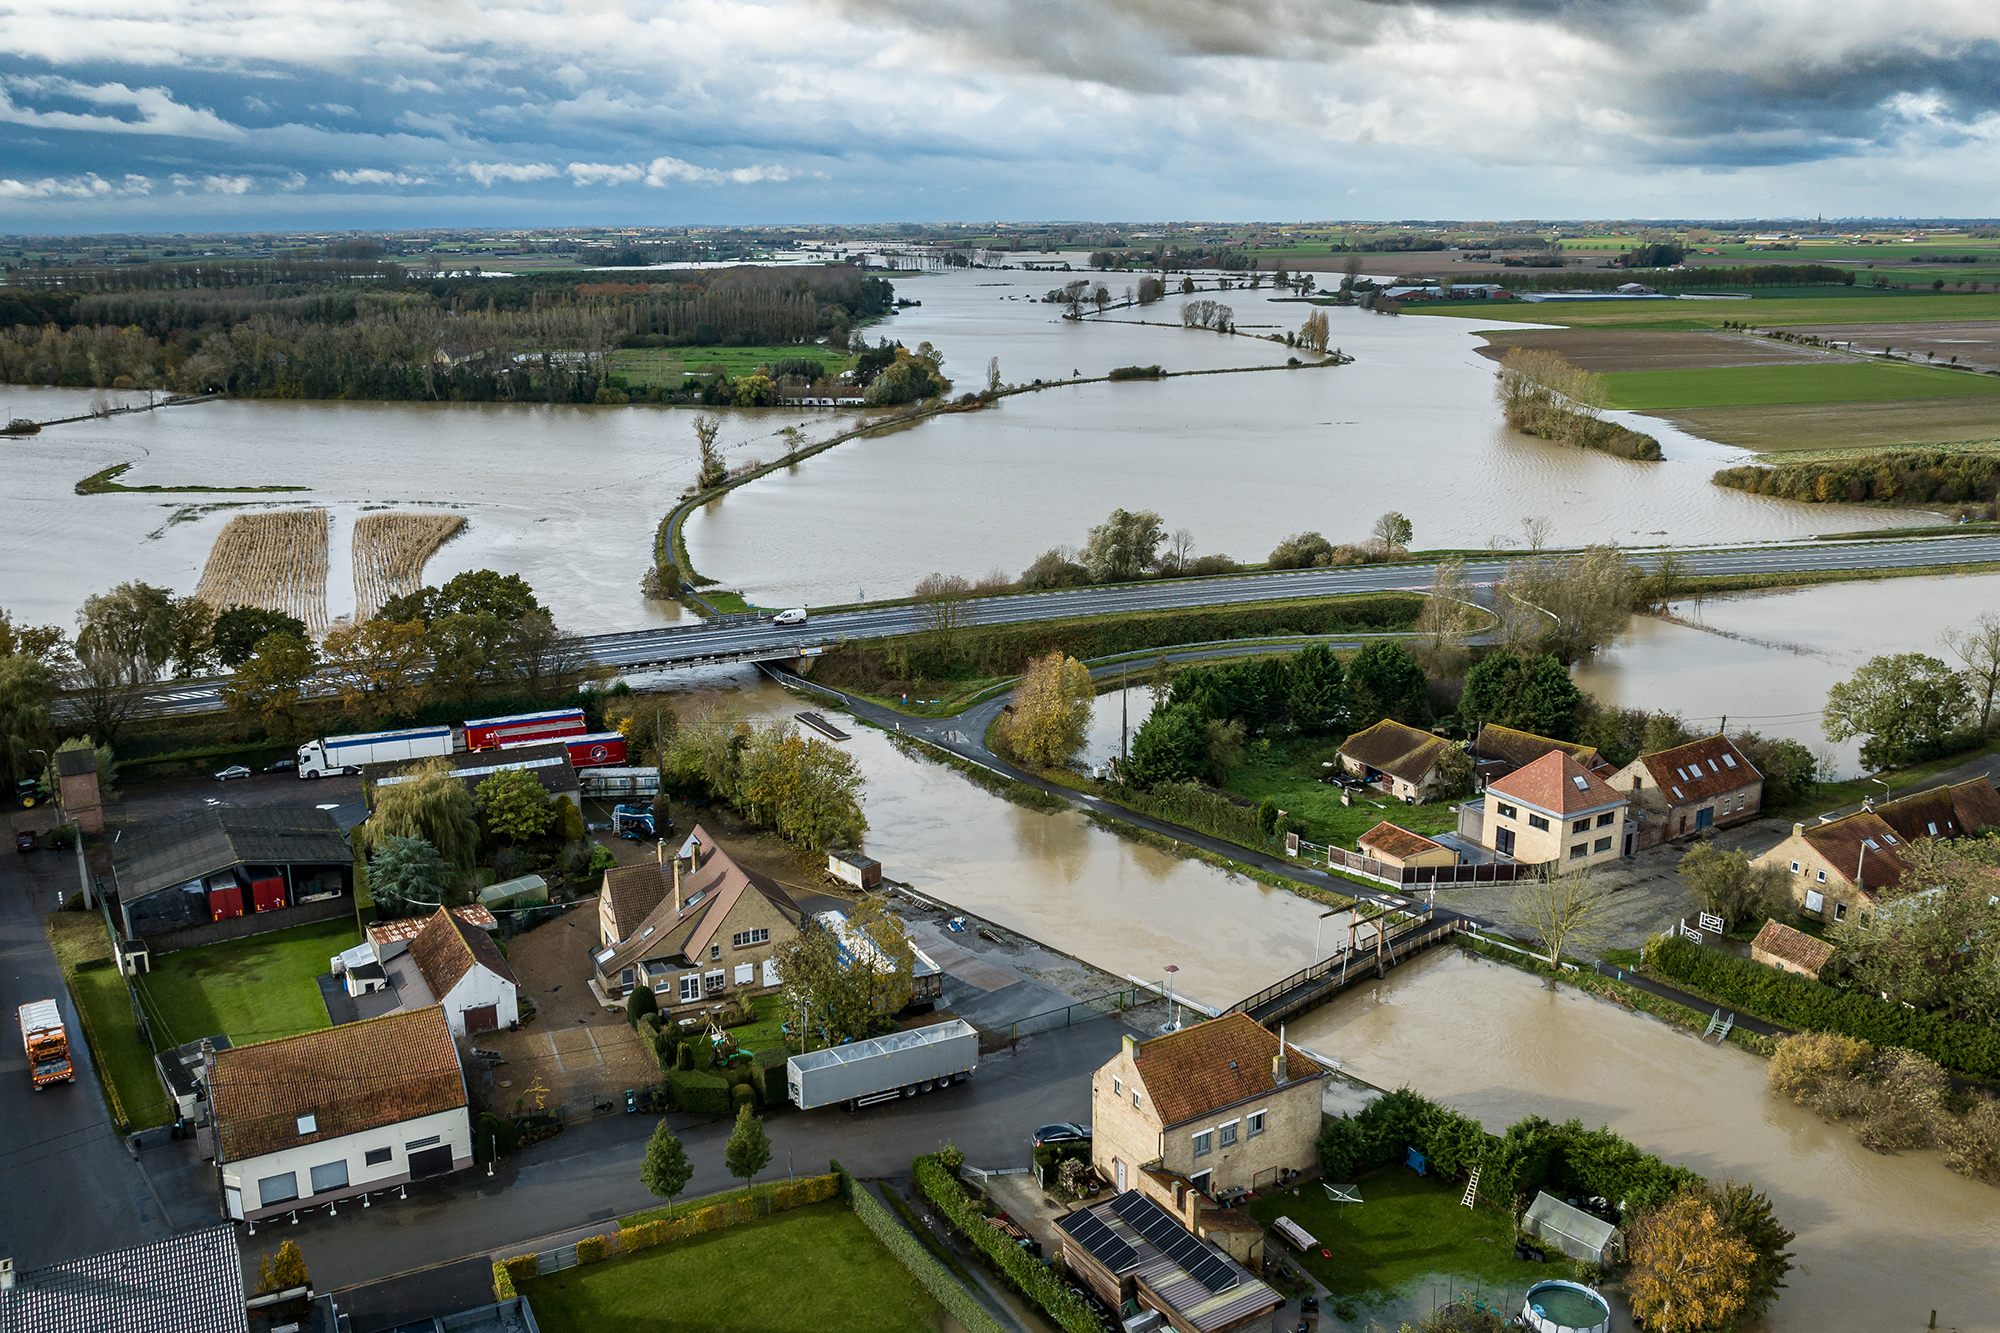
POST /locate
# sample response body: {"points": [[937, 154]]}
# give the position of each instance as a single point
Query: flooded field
{"points": [[1882, 1240], [1766, 659]]}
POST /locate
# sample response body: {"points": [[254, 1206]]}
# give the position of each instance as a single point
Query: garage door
{"points": [[430, 1162], [483, 1019]]}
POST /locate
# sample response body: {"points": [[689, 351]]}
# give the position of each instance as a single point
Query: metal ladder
{"points": [[1723, 1035], [1471, 1189], [1714, 1025]]}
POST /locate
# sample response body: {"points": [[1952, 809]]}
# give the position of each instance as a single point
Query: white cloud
{"points": [[667, 169], [488, 172], [295, 181], [605, 173], [376, 176], [87, 186], [157, 110], [338, 108]]}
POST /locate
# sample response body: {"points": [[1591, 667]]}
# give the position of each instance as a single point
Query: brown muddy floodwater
{"points": [[1882, 1240]]}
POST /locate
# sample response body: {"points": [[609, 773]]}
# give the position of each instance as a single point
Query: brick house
{"points": [[458, 967], [1219, 1106], [1402, 758], [1398, 847], [1690, 789], [1839, 869], [1555, 810], [1942, 812], [694, 930], [1778, 945]]}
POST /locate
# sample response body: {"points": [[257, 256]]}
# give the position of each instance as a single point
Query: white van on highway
{"points": [[795, 616]]}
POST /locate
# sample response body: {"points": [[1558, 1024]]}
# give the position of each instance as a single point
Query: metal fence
{"points": [[1097, 1006]]}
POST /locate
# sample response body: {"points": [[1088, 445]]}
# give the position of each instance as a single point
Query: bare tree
{"points": [[993, 375], [1567, 605], [1447, 614], [1536, 531], [1179, 553], [548, 661], [107, 687], [1350, 270], [1565, 910], [713, 470], [1979, 649], [941, 606], [1670, 578]]}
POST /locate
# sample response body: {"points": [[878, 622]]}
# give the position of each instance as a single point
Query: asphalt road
{"points": [[741, 637]]}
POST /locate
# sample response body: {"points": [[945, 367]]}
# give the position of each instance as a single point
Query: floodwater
{"points": [[1239, 460], [1767, 659], [1882, 1240]]}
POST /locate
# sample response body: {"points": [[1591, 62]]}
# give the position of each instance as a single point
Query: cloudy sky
{"points": [[172, 115]]}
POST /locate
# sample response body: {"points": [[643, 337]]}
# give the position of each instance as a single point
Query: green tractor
{"points": [[28, 792]]}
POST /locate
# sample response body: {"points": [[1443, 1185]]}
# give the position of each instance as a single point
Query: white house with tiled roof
{"points": [[457, 965], [1690, 789], [314, 1119], [1554, 810]]}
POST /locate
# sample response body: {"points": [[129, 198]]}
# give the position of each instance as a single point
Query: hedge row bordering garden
{"points": [[1029, 1275], [923, 1266], [1965, 1048]]}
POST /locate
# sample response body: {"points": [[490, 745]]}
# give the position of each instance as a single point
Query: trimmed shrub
{"points": [[590, 1250], [503, 1284], [521, 1267], [699, 1094], [1030, 1275], [742, 1095], [642, 1237], [1965, 1048], [922, 1264], [641, 1003]]}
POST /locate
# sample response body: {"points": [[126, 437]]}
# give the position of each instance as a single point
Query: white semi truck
{"points": [[881, 1069], [345, 754]]}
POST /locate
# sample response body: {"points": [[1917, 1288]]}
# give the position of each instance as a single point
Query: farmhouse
{"points": [[1498, 751], [225, 873], [693, 930], [1554, 811], [327, 1115], [1402, 759], [1690, 789], [1193, 1115], [1840, 867], [1943, 812]]}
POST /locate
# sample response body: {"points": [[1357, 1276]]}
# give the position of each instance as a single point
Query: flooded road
{"points": [[1882, 1240], [1767, 658]]}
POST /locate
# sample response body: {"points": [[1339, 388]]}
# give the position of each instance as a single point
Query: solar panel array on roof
{"points": [[1100, 1240], [1158, 1226]]}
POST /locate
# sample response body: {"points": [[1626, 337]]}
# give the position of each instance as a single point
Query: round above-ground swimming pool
{"points": [[1565, 1307]]}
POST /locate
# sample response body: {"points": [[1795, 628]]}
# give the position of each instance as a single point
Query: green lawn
{"points": [[1406, 1227], [1749, 386], [645, 367], [811, 1270], [124, 1062], [248, 990], [1289, 773]]}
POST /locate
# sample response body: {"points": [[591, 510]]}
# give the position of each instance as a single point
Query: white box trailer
{"points": [[618, 781], [338, 754], [901, 1064]]}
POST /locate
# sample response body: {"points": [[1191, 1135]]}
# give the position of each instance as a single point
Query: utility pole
{"points": [[1124, 717]]}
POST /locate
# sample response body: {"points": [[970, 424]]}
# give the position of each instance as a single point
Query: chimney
{"points": [[1278, 1060], [677, 886], [1798, 830], [1131, 1047], [660, 850]]}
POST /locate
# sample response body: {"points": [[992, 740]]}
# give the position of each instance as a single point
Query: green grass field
{"points": [[248, 990], [124, 1063], [1289, 773], [667, 367], [1827, 305], [1406, 1227], [807, 1271], [1749, 386]]}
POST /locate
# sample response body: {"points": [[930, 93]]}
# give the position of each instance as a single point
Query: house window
{"points": [[743, 939], [1537, 822], [690, 987], [1822, 876], [714, 952], [378, 1156], [1795, 867], [1228, 1133], [1204, 1143], [1256, 1119], [1840, 911], [1117, 1086], [277, 1189], [1135, 1099], [1602, 845], [715, 981], [746, 974], [332, 1176], [1580, 826], [1578, 852], [1607, 819], [1505, 810], [625, 978]]}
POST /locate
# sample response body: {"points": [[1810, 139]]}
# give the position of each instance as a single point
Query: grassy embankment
{"points": [[668, 367], [749, 1278], [106, 482], [124, 1062]]}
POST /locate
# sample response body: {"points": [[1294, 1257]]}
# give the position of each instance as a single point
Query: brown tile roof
{"points": [[1978, 805], [406, 928], [355, 1077], [1925, 814], [634, 891], [1521, 748], [1201, 1069], [446, 949], [1556, 783], [1397, 841], [1396, 749], [1794, 946], [1861, 841], [1699, 769], [708, 895]]}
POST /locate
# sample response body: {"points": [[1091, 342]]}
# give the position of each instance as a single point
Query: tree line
{"points": [[1901, 477]]}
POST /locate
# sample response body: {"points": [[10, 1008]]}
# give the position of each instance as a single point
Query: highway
{"points": [[753, 638]]}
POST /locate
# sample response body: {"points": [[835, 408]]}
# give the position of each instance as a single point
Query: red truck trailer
{"points": [[488, 733], [599, 749]]}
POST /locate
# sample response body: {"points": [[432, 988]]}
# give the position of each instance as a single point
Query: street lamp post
{"points": [[1172, 1026]]}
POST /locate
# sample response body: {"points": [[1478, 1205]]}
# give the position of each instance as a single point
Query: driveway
{"points": [[574, 1050]]}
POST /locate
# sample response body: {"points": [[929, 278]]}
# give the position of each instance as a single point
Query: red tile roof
{"points": [[1557, 784], [1863, 842], [355, 1077], [406, 928], [708, 894], [633, 891], [1395, 749], [446, 949], [1943, 812], [1214, 1064], [1699, 769], [1794, 946], [1396, 841]]}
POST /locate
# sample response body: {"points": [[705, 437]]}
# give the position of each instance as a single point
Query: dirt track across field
{"points": [[1609, 350], [1975, 342]]}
